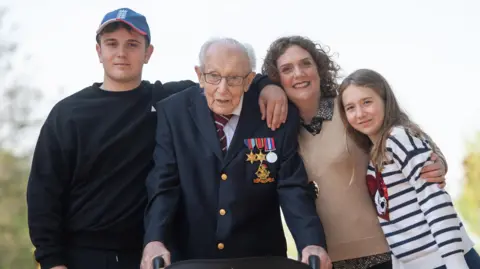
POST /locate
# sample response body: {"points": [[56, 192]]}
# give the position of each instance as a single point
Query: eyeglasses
{"points": [[215, 79]]}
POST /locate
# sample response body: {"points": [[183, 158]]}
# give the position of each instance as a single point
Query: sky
{"points": [[428, 50]]}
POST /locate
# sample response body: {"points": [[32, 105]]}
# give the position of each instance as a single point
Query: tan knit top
{"points": [[338, 167]]}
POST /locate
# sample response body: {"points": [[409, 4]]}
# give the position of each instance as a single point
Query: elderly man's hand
{"points": [[152, 250], [434, 172], [273, 104], [325, 262]]}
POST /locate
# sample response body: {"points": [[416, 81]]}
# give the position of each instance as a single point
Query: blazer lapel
{"points": [[250, 120], [201, 115]]}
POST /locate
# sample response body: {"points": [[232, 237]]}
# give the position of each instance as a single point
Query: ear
{"points": [[99, 52], [249, 80], [198, 70], [148, 53]]}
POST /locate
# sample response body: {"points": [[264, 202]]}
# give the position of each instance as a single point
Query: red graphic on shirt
{"points": [[378, 192]]}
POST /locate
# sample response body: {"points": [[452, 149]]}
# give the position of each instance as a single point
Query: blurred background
{"points": [[428, 50]]}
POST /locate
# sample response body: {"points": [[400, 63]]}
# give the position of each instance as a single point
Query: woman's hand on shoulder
{"points": [[435, 172]]}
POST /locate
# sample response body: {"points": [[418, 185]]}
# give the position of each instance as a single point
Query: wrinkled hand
{"points": [[273, 104], [325, 262], [59, 267], [435, 172], [152, 250]]}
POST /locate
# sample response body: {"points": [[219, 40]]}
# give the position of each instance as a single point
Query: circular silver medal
{"points": [[271, 157]]}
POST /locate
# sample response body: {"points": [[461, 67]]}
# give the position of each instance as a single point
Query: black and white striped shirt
{"points": [[417, 218]]}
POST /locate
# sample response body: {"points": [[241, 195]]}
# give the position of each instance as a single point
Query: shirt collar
{"points": [[325, 108], [324, 112]]}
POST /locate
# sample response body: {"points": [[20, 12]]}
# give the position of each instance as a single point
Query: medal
{"points": [[250, 143], [270, 147], [272, 157], [260, 142], [263, 175]]}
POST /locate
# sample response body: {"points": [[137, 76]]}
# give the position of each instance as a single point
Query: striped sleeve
{"points": [[411, 154], [437, 150]]}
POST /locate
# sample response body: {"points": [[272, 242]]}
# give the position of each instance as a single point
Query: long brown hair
{"points": [[394, 115]]}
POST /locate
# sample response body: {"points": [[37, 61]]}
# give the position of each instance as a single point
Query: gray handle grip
{"points": [[158, 262], [314, 261]]}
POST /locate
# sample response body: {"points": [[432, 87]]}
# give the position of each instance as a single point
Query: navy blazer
{"points": [[204, 205]]}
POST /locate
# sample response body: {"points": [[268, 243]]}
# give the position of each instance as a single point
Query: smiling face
{"points": [[298, 74], [123, 53], [364, 110]]}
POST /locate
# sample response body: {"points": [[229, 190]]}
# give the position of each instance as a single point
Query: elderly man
{"points": [[221, 174]]}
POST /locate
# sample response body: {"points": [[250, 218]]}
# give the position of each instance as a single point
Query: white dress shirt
{"points": [[231, 125]]}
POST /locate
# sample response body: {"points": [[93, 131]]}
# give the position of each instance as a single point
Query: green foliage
{"points": [[15, 245], [469, 202]]}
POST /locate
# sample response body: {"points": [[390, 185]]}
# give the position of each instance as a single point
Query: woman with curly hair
{"points": [[335, 164]]}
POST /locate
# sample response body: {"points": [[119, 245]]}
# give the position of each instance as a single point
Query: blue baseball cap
{"points": [[136, 20]]}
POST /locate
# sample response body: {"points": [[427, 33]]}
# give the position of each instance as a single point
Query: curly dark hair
{"points": [[327, 68]]}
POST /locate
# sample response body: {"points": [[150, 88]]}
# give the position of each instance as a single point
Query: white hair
{"points": [[251, 56], [246, 48]]}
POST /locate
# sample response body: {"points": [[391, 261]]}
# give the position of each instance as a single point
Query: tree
{"points": [[17, 98], [16, 121], [469, 201], [15, 246]]}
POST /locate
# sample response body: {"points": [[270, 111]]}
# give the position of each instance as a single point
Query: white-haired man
{"points": [[221, 175]]}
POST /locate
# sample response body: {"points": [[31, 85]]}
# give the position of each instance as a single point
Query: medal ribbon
{"points": [[250, 143], [260, 142], [270, 144]]}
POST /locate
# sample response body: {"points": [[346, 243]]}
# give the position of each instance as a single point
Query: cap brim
{"points": [[103, 25]]}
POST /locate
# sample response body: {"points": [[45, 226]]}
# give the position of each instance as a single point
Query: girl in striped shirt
{"points": [[417, 217]]}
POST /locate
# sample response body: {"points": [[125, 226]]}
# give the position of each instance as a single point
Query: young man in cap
{"points": [[86, 192]]}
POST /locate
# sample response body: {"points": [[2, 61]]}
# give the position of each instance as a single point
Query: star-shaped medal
{"points": [[251, 157], [260, 156]]}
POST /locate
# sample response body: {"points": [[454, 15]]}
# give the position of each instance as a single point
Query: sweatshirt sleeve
{"points": [[261, 81], [170, 88], [411, 154], [50, 170]]}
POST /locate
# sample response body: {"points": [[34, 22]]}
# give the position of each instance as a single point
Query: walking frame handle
{"points": [[314, 261], [158, 262]]}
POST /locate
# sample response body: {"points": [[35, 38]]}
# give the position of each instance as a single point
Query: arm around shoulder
{"points": [[170, 88], [261, 81], [437, 150]]}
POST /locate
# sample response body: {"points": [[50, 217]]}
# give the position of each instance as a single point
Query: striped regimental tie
{"points": [[220, 122]]}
